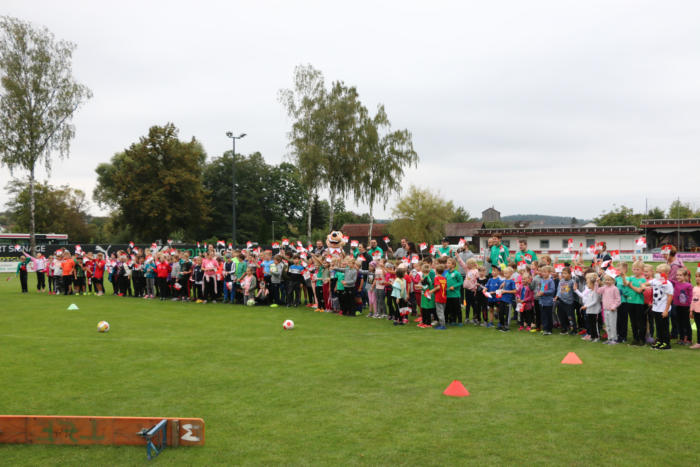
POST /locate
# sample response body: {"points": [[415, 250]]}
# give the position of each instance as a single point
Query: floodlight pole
{"points": [[233, 185]]}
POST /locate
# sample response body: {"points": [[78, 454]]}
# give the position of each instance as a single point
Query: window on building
{"points": [[565, 243], [590, 242], [544, 244]]}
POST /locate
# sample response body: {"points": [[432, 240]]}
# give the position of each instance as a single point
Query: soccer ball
{"points": [[250, 302], [103, 326], [288, 324]]}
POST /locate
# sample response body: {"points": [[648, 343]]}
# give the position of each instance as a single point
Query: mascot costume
{"points": [[334, 249]]}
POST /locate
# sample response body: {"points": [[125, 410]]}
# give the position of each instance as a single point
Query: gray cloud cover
{"points": [[555, 107]]}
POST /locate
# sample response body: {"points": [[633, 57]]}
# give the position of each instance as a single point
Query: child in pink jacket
{"points": [[610, 296], [695, 310]]}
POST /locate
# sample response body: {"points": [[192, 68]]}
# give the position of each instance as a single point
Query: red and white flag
{"points": [[275, 245], [570, 243], [605, 264], [578, 271], [170, 242], [641, 242], [461, 242], [136, 251], [78, 248], [354, 243], [386, 240], [230, 246], [432, 249], [612, 272], [131, 244], [615, 255], [197, 244], [220, 243], [346, 238], [248, 244], [309, 248], [558, 267], [666, 248], [522, 265], [486, 293], [414, 259], [154, 246], [423, 246], [285, 241], [303, 255], [591, 250]]}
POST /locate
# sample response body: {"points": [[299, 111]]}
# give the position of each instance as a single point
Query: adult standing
{"points": [[524, 254], [603, 258], [401, 251], [374, 250], [499, 252], [444, 249]]}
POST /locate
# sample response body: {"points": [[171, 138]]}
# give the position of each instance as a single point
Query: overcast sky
{"points": [[550, 107]]}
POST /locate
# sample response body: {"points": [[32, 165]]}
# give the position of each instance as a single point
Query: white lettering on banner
{"points": [[11, 266], [623, 257]]}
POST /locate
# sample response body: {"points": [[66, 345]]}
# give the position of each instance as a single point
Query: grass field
{"points": [[338, 391]]}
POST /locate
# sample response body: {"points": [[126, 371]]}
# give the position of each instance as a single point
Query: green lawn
{"points": [[338, 391]]}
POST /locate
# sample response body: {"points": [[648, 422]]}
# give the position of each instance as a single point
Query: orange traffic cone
{"points": [[456, 389], [572, 359]]}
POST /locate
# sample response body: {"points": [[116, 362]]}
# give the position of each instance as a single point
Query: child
{"points": [[492, 285], [662, 293], [526, 300], [471, 274], [591, 305], [695, 310], [398, 296], [682, 298], [249, 284], [295, 280], [535, 286], [162, 271], [481, 300], [138, 277], [371, 296], [427, 304], [648, 293], [389, 276], [565, 302], [276, 269], [262, 297], [149, 272], [507, 291], [623, 309], [440, 291], [611, 299], [453, 309], [546, 296]]}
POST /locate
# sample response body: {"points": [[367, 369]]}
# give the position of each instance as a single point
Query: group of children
{"points": [[597, 301]]}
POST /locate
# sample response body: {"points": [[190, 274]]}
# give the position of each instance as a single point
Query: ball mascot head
{"points": [[335, 243]]}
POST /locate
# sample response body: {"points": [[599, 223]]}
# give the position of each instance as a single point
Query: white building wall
{"points": [[624, 243]]}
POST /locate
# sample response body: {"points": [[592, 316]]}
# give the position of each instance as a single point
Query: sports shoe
{"points": [[533, 329], [582, 332], [274, 305], [521, 328], [418, 320], [489, 325], [695, 346], [664, 346], [440, 328], [586, 338], [596, 340], [611, 342], [546, 333], [563, 333]]}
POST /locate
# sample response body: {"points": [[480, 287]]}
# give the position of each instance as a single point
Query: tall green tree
{"points": [[680, 210], [656, 213], [264, 193], [621, 215], [383, 155], [155, 185], [421, 215], [306, 105], [58, 210], [39, 98]]}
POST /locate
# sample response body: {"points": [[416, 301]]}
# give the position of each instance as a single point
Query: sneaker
{"points": [[582, 332], [440, 328], [563, 333], [532, 329], [586, 338], [596, 340], [664, 346], [546, 333], [434, 323], [611, 343], [418, 320], [489, 325], [695, 346], [521, 328], [274, 305], [484, 324]]}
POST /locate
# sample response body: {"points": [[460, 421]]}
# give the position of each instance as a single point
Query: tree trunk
{"points": [[32, 227], [308, 214], [371, 222], [331, 209]]}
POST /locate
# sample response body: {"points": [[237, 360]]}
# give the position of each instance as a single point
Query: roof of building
{"points": [[362, 230], [668, 223], [561, 230], [463, 229]]}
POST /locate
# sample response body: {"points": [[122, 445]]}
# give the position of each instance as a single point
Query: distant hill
{"points": [[538, 219]]}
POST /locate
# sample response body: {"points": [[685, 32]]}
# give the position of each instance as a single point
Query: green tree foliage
{"points": [[383, 156], [680, 210], [461, 215], [39, 98], [58, 210], [306, 105], [621, 215], [264, 193], [421, 215], [656, 213], [155, 186]]}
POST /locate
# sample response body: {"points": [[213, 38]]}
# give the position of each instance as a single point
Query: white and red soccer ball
{"points": [[288, 325], [103, 326]]}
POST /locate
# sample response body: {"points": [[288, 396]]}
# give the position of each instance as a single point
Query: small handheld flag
{"points": [[386, 240]]}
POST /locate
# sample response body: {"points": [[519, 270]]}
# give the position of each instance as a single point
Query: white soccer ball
{"points": [[103, 326], [288, 324], [250, 302]]}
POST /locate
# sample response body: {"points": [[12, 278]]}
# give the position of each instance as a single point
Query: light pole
{"points": [[233, 185]]}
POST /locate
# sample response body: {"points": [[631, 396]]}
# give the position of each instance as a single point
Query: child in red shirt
{"points": [[440, 292]]}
